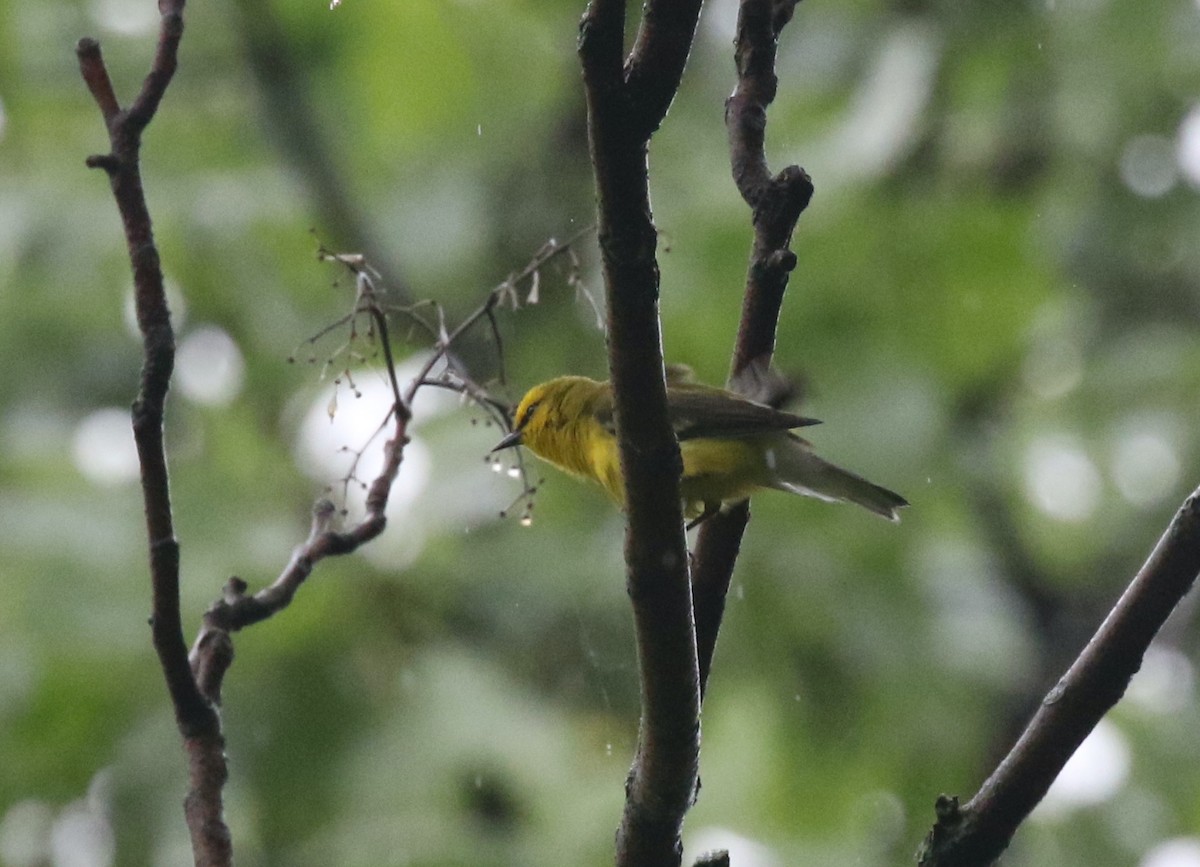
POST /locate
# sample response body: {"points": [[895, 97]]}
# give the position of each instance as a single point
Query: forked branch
{"points": [[197, 718], [212, 652], [195, 683]]}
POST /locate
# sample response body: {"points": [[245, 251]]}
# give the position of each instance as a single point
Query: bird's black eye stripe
{"points": [[528, 414]]}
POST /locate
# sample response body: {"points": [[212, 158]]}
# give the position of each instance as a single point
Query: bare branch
{"points": [[976, 834], [713, 559], [776, 205], [163, 69], [622, 114], [758, 27], [212, 652], [656, 63], [196, 718], [95, 76], [194, 681], [777, 202]]}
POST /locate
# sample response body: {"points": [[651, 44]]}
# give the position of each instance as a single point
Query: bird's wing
{"points": [[700, 411]]}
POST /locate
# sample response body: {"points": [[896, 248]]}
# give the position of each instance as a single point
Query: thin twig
{"points": [[211, 654]]}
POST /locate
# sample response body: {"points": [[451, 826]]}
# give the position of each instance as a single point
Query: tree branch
{"points": [[656, 63], [212, 652], [976, 834], [622, 113], [776, 204], [196, 718]]}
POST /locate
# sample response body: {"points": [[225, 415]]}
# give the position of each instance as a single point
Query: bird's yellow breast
{"points": [[714, 470]]}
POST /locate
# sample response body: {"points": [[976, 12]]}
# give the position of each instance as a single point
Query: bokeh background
{"points": [[995, 312]]}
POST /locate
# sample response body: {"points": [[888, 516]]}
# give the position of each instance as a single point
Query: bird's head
{"points": [[547, 409], [530, 405]]}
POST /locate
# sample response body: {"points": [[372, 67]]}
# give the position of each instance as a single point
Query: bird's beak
{"points": [[513, 439]]}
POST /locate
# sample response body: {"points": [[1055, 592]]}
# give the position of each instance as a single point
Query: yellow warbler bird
{"points": [[731, 445]]}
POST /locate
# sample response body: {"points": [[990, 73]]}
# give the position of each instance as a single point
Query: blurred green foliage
{"points": [[995, 312]]}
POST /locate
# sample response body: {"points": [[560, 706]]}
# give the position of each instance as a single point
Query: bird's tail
{"points": [[800, 471]]}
